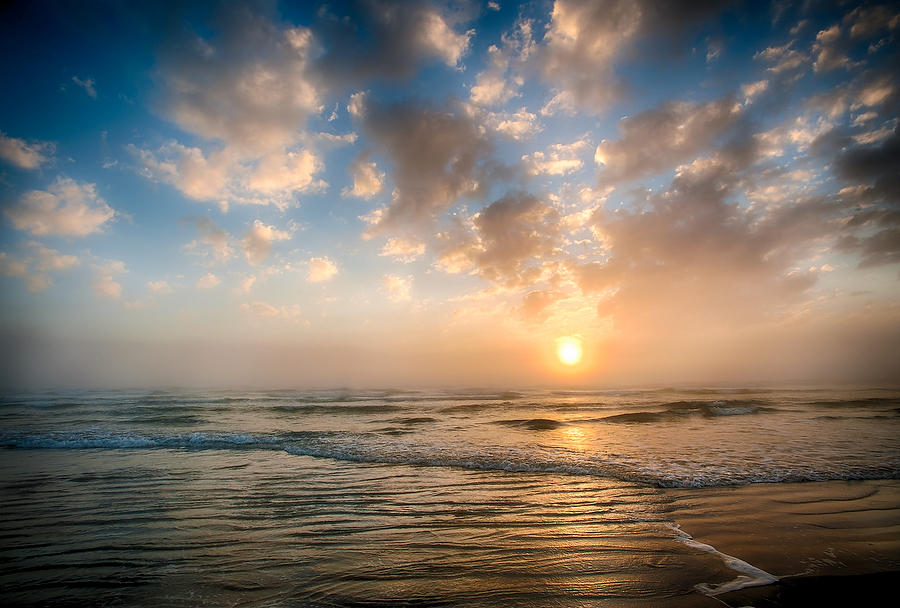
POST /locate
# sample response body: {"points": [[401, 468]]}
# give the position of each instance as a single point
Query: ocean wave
{"points": [[532, 424], [680, 409], [305, 408], [378, 448]]}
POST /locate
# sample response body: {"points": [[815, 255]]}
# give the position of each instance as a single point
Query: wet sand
{"points": [[828, 543]]}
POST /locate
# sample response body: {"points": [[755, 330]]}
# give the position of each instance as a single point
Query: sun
{"points": [[568, 349]]}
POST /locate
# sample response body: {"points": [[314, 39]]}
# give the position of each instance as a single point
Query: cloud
{"points": [[196, 175], [586, 37], [398, 288], [496, 84], [66, 208], [285, 173], [87, 84], [250, 86], [24, 155], [34, 268], [367, 179], [245, 285], [223, 176], [581, 43], [404, 250], [875, 166], [752, 90], [783, 59], [535, 304], [247, 91], [829, 50], [105, 284], [517, 125], [208, 281], [692, 254], [875, 225], [559, 159], [212, 239], [869, 21], [320, 270], [386, 39], [507, 243], [159, 287], [659, 138], [514, 230], [437, 155], [267, 311], [258, 241]]}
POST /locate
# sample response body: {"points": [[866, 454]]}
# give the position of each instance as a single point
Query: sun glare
{"points": [[568, 349]]}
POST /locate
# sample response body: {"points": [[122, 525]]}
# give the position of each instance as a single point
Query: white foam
{"points": [[750, 575]]}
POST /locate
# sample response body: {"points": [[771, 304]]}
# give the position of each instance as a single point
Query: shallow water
{"points": [[385, 497]]}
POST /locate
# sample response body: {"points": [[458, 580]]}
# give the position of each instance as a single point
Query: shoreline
{"points": [[811, 543]]}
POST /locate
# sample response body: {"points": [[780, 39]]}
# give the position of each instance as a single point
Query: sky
{"points": [[405, 194]]}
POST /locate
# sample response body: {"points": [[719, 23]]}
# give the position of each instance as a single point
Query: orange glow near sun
{"points": [[568, 349]]}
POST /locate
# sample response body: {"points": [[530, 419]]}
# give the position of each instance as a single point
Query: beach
{"points": [[140, 499]]}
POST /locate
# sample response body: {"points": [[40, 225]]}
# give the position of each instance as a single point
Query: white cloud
{"points": [[66, 208], [436, 36], [24, 155], [34, 267], [10, 267], [582, 41], [267, 311], [501, 79], [783, 58], [558, 159], [258, 241], [245, 285], [87, 84], [517, 125], [753, 89], [196, 175], [159, 287], [398, 288], [250, 87], [320, 270], [367, 179], [404, 250], [208, 281], [248, 92], [105, 283], [876, 92], [222, 176], [283, 173]]}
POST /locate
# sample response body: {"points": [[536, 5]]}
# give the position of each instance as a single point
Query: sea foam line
{"points": [[750, 576]]}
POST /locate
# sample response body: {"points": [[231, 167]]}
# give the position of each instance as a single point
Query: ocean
{"points": [[667, 497]]}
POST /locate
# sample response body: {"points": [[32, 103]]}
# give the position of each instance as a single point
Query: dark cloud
{"points": [[881, 248], [389, 39], [875, 170], [878, 166], [586, 37], [662, 137], [438, 154], [515, 230]]}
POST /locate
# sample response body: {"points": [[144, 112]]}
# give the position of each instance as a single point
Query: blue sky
{"points": [[435, 193]]}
